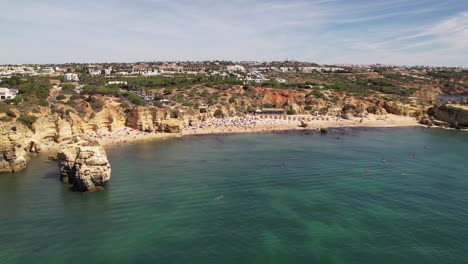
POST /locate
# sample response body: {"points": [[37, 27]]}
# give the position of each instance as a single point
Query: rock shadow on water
{"points": [[51, 175]]}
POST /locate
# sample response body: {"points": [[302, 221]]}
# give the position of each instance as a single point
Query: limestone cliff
{"points": [[152, 119], [52, 128], [110, 118], [170, 126], [455, 115], [76, 123], [83, 163], [15, 143], [143, 119]]}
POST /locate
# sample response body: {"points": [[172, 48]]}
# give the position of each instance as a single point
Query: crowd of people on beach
{"points": [[254, 123]]}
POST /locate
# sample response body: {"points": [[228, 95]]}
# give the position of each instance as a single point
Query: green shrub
{"points": [[159, 104], [27, 120], [68, 88], [268, 106], [175, 113], [135, 99], [60, 97], [187, 104], [76, 96], [317, 94], [291, 112], [168, 90], [124, 105], [43, 103], [18, 99], [97, 105], [158, 96], [10, 113]]}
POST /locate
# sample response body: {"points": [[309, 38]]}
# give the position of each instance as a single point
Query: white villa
{"points": [[235, 68], [71, 77], [6, 93]]}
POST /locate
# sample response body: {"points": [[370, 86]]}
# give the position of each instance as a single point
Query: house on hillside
{"points": [[6, 93], [235, 68], [73, 77]]}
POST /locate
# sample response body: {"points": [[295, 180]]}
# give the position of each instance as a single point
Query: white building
{"points": [[73, 77], [6, 93], [235, 68], [117, 83], [48, 70], [95, 72]]}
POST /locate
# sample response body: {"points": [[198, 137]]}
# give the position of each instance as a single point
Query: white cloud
{"points": [[327, 31]]}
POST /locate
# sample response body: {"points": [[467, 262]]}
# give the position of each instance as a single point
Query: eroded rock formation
{"points": [[15, 143], [151, 119], [110, 118], [52, 128], [83, 163], [455, 115]]}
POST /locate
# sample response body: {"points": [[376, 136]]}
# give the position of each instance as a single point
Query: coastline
{"points": [[268, 125], [280, 125]]}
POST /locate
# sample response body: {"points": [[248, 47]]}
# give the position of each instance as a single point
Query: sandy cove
{"points": [[117, 138], [248, 124], [270, 124]]}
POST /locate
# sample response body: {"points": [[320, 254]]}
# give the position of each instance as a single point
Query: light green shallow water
{"points": [[273, 198]]}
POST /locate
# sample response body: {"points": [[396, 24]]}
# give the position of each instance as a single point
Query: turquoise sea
{"points": [[396, 195]]}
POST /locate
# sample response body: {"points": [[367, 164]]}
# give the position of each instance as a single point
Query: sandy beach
{"points": [[247, 124], [117, 138], [264, 124]]}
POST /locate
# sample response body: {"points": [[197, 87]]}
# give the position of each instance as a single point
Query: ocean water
{"points": [[396, 195]]}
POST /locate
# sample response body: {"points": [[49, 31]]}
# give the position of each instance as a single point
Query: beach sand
{"points": [[272, 124], [249, 124]]}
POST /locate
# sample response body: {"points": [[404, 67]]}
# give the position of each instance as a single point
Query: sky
{"points": [[403, 32]]}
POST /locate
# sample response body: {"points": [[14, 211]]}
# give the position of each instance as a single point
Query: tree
{"points": [[60, 97], [27, 120]]}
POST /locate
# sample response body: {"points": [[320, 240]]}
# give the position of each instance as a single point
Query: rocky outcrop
{"points": [[455, 115], [398, 108], [76, 123], [143, 119], [170, 126], [151, 119], [15, 143], [52, 128], [110, 118], [83, 163], [277, 97]]}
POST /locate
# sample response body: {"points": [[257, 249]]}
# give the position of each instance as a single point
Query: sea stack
{"points": [[83, 163]]}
